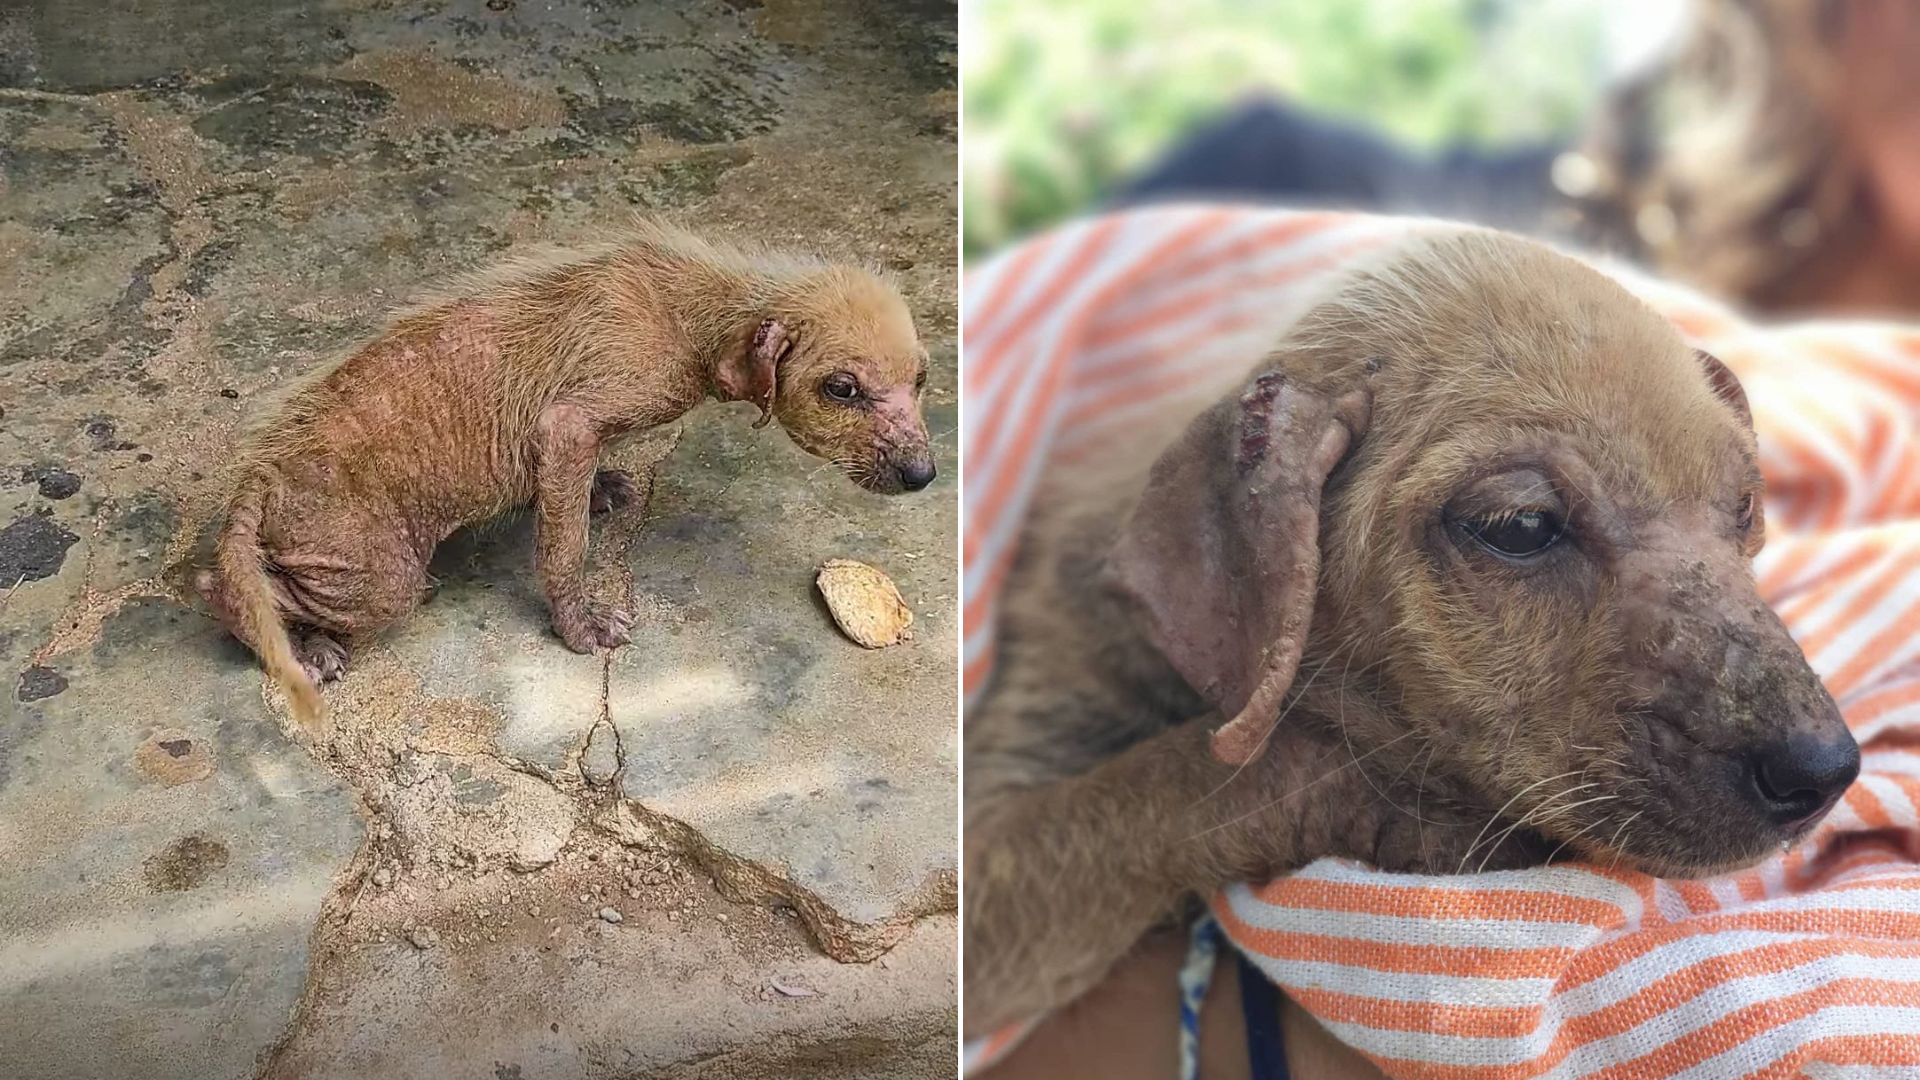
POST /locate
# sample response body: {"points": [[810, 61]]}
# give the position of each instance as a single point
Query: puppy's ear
{"points": [[1725, 386], [1222, 554], [749, 373]]}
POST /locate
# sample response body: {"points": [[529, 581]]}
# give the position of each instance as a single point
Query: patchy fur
{"points": [[1281, 629], [503, 390]]}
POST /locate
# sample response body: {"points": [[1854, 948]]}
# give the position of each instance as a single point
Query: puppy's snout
{"points": [[917, 474], [1801, 778]]}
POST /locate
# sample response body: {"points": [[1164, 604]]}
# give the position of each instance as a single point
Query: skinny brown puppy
{"points": [[505, 392], [1499, 518]]}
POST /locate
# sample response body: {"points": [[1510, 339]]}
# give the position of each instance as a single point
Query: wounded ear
{"points": [[748, 374], [1222, 554], [1725, 385]]}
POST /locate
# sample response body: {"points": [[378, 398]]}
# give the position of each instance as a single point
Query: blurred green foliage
{"points": [[1063, 97]]}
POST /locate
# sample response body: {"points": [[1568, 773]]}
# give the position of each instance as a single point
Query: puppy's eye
{"points": [[1744, 515], [1517, 536], [840, 386]]}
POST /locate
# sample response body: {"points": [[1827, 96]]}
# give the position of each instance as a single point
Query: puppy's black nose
{"points": [[915, 475], [1802, 777]]}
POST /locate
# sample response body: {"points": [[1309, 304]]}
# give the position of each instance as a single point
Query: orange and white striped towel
{"points": [[1808, 965]]}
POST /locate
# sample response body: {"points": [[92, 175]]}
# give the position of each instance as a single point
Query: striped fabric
{"points": [[1808, 965]]}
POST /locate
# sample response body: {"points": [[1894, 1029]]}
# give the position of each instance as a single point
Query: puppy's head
{"points": [[1507, 516], [837, 362]]}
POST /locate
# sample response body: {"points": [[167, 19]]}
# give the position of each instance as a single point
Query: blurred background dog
{"points": [[1767, 151]]}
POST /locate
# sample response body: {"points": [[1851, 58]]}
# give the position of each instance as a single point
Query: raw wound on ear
{"points": [[750, 375], [1221, 555]]}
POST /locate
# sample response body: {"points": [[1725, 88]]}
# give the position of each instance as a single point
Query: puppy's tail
{"points": [[250, 595]]}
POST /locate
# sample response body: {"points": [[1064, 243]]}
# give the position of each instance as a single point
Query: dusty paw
{"points": [[322, 657], [613, 489], [593, 628]]}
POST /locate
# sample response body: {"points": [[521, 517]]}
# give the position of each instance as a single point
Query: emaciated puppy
{"points": [[505, 391], [1500, 518]]}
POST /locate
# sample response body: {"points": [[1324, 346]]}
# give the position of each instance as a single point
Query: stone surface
{"points": [[199, 201], [600, 761], [521, 977], [32, 548], [140, 904], [57, 483], [38, 682]]}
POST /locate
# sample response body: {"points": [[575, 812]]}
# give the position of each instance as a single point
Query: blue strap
{"points": [[1260, 1004]]}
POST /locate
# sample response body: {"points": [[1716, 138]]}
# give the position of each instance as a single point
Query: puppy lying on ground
{"points": [[1499, 519], [506, 391]]}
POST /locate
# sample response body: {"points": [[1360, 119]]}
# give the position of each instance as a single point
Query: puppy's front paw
{"points": [[593, 627], [613, 489]]}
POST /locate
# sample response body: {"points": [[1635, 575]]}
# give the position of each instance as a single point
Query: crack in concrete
{"points": [[626, 822], [335, 913], [787, 1059], [164, 149], [746, 881], [604, 810]]}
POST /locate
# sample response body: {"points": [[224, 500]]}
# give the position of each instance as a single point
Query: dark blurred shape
{"points": [[1772, 159], [1273, 151]]}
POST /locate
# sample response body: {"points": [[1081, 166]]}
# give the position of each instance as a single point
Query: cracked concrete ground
{"points": [[724, 851]]}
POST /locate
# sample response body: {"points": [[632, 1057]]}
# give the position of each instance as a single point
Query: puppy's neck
{"points": [[721, 310]]}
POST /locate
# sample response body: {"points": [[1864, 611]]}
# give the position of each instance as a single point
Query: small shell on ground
{"points": [[864, 602]]}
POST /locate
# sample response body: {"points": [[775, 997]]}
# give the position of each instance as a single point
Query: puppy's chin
{"points": [[1708, 844], [878, 481], [1682, 867], [870, 475]]}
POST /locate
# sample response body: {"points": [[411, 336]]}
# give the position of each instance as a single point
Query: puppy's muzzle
{"points": [[917, 473]]}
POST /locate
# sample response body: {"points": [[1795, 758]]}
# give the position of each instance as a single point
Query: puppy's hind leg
{"points": [[214, 591], [617, 489], [566, 448], [343, 582]]}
